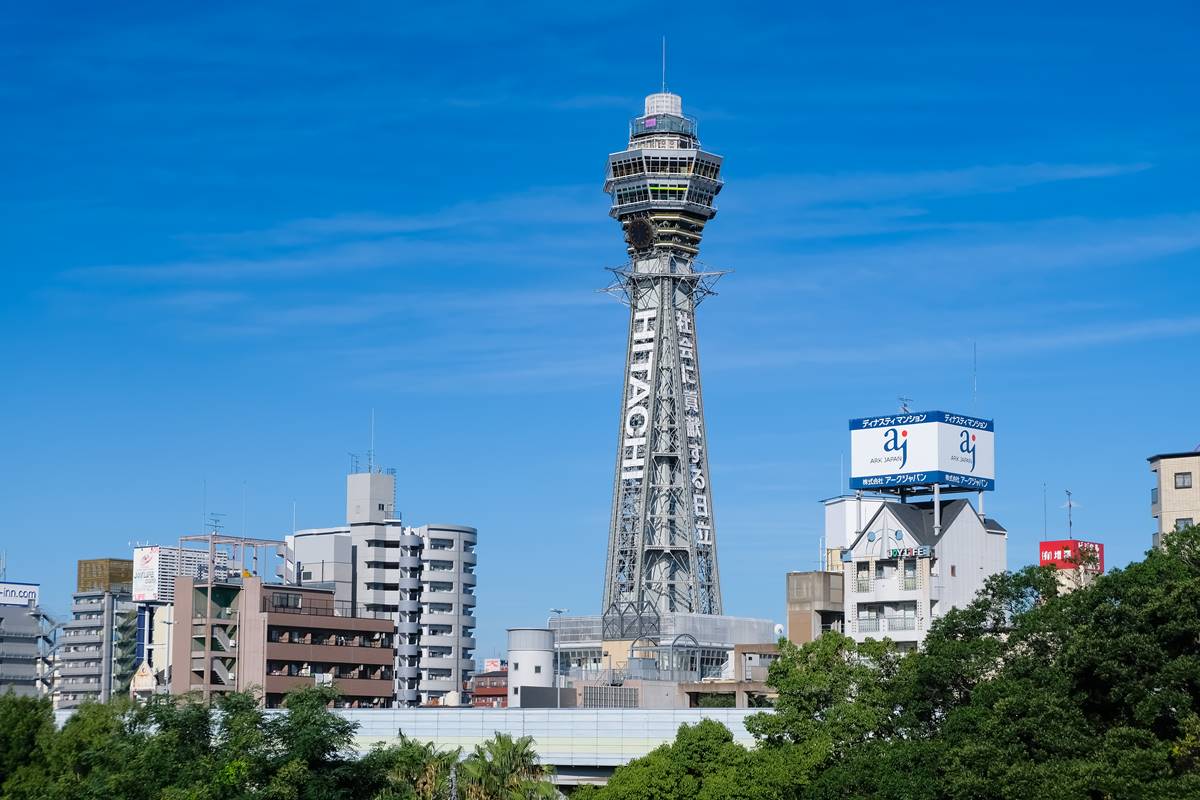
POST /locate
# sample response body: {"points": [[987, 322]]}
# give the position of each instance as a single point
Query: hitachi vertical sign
{"points": [[921, 449]]}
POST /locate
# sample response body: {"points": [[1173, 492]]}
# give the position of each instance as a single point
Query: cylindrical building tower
{"points": [[662, 555], [530, 662]]}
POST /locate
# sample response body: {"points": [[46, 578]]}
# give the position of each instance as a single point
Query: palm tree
{"points": [[506, 769], [420, 770]]}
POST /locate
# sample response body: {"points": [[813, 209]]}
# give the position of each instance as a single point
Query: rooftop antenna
{"points": [[904, 401], [3, 565], [1070, 523], [371, 452], [975, 377], [664, 64]]}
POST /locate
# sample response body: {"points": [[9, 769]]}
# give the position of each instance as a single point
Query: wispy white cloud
{"points": [[817, 189]]}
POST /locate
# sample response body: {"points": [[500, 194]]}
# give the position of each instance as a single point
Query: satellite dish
{"points": [[778, 630]]}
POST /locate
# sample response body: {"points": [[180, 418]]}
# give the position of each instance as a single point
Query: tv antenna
{"points": [[904, 401], [1070, 522]]}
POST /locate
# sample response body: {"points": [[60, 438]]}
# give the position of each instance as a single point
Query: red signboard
{"points": [[1071, 553]]}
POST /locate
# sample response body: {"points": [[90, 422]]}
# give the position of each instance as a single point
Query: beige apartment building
{"points": [[1175, 496]]}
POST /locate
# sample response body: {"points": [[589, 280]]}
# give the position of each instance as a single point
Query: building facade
{"points": [[905, 564], [20, 644], [489, 689], [100, 574], [662, 552], [424, 577], [243, 634], [1175, 496], [1076, 563], [95, 660], [816, 603]]}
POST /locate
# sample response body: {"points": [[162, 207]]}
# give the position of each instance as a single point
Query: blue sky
{"points": [[231, 231]]}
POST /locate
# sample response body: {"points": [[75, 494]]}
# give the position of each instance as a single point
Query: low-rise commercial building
{"points": [[1175, 496], [240, 633], [490, 689]]}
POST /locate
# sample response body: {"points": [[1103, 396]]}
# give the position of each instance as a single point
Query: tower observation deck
{"points": [[662, 553]]}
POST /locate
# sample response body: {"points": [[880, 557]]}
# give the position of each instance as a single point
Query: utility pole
{"points": [[558, 612]]}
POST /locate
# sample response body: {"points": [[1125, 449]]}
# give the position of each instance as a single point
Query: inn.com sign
{"points": [[18, 594], [922, 449]]}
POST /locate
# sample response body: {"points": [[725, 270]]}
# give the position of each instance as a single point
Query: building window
{"points": [[953, 571], [1154, 496], [1183, 522], [381, 507], [1183, 480], [537, 669], [516, 690], [516, 666]]}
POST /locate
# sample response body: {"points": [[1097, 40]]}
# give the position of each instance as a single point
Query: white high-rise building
{"points": [[424, 575]]}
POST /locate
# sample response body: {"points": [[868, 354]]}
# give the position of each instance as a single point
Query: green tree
{"points": [[25, 725], [504, 768], [414, 770]]}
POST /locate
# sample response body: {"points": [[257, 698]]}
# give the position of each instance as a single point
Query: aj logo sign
{"points": [[896, 441], [966, 445]]}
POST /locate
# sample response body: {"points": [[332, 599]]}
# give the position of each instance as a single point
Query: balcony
{"points": [[80, 669], [862, 585], [868, 625], [901, 623], [908, 583]]}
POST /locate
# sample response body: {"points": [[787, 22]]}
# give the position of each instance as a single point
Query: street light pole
{"points": [[559, 612]]}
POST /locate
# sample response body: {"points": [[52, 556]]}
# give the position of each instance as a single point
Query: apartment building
{"points": [[907, 564], [1175, 496], [423, 576], [490, 689], [239, 633], [94, 660]]}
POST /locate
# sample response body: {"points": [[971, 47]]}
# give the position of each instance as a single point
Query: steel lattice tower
{"points": [[662, 551]]}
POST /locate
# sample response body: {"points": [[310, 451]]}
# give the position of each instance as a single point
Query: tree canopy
{"points": [[1025, 693]]}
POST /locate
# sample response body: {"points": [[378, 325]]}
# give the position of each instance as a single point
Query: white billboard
{"points": [[922, 449], [145, 574], [19, 594]]}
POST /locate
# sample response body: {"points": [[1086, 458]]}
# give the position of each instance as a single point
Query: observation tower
{"points": [[662, 552]]}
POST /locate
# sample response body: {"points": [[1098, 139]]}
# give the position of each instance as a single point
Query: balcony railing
{"points": [[908, 583], [338, 608], [902, 623], [868, 624], [862, 585]]}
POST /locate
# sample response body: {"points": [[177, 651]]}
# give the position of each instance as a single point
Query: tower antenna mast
{"points": [[664, 64]]}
